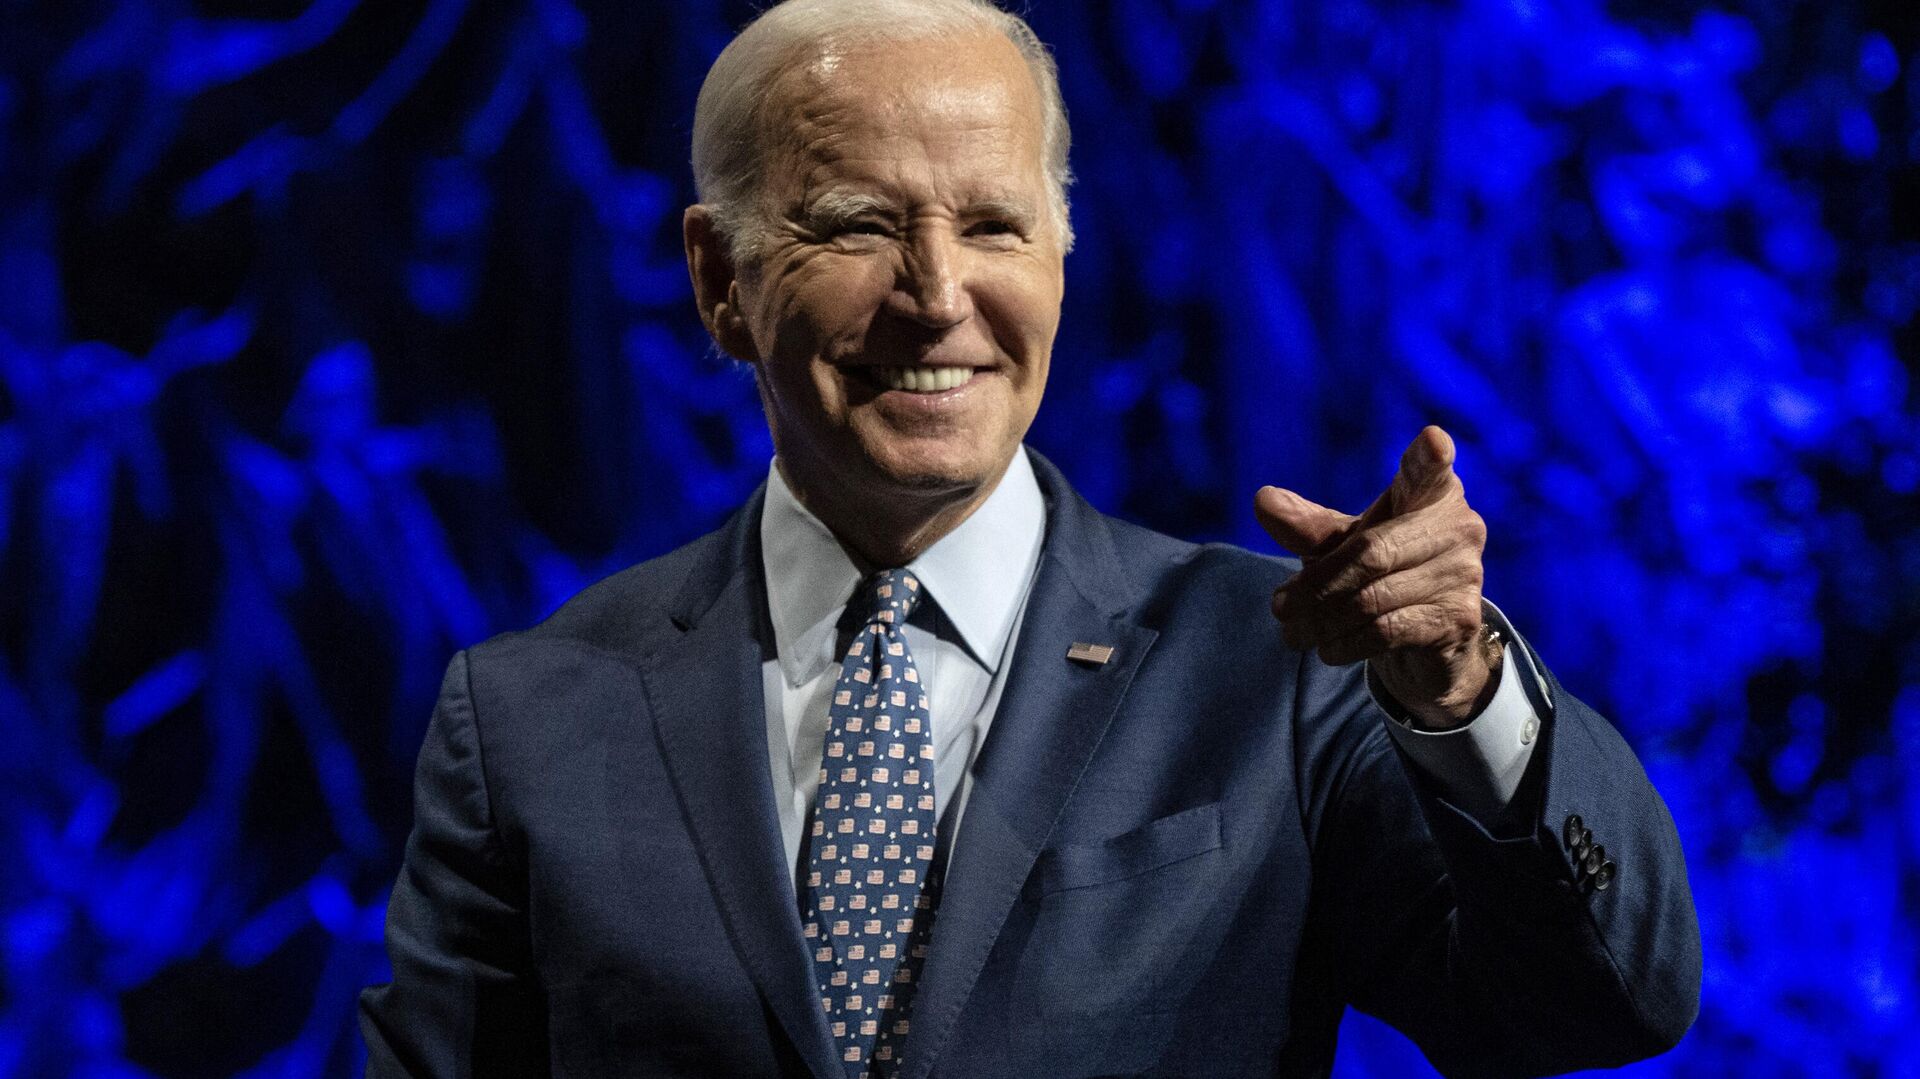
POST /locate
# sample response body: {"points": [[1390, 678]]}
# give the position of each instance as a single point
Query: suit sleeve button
{"points": [[1570, 832], [1603, 876], [1596, 857]]}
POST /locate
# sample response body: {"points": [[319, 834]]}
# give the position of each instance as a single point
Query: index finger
{"points": [[1425, 476]]}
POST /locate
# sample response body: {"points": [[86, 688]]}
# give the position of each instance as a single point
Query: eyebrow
{"points": [[833, 208]]}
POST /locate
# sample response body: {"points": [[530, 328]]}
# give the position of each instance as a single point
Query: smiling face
{"points": [[902, 305]]}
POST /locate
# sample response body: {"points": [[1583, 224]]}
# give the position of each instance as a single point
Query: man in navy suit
{"points": [[1186, 803]]}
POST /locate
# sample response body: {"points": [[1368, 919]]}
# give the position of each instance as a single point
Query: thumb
{"points": [[1304, 527]]}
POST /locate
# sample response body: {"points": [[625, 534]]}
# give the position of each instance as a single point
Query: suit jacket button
{"points": [[1603, 876], [1570, 832]]}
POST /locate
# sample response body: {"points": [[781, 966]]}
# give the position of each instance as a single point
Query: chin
{"points": [[935, 469]]}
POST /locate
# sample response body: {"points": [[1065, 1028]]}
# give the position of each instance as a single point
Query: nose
{"points": [[931, 288]]}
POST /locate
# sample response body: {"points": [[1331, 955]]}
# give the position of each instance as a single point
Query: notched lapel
{"points": [[1052, 717], [704, 692]]}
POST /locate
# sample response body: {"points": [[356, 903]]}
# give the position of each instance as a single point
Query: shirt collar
{"points": [[978, 574]]}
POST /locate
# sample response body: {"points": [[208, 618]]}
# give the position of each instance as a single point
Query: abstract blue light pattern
{"points": [[335, 336]]}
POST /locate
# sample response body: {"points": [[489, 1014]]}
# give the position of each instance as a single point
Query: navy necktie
{"points": [[869, 902]]}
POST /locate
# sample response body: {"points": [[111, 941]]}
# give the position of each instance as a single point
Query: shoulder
{"points": [[1121, 565], [535, 695], [619, 619], [1174, 575]]}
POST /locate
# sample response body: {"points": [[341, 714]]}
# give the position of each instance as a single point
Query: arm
{"points": [[1496, 954], [463, 1001], [1499, 951]]}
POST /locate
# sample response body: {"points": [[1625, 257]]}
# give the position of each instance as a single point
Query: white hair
{"points": [[729, 136]]}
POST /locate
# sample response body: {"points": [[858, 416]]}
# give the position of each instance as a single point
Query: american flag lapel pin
{"points": [[1095, 654]]}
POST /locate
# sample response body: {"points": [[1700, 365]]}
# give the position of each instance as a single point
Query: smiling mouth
{"points": [[919, 379]]}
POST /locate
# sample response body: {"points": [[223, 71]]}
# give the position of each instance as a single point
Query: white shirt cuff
{"points": [[1478, 765]]}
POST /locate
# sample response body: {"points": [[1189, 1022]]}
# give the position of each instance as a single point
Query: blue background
{"points": [[335, 335]]}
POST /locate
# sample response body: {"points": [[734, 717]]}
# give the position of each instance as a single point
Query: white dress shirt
{"points": [[974, 583]]}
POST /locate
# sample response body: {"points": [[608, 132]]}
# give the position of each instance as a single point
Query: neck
{"points": [[889, 532]]}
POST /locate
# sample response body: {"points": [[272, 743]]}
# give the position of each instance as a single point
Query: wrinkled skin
{"points": [[905, 220], [1398, 585], [908, 222]]}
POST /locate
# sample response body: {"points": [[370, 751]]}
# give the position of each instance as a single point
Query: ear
{"points": [[716, 287]]}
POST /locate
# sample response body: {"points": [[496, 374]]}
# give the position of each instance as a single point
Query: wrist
{"points": [[1469, 698], [1471, 678]]}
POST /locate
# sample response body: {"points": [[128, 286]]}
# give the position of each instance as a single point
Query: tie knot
{"points": [[891, 595]]}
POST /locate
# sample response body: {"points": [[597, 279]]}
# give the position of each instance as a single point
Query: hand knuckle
{"points": [[1376, 553], [1458, 562], [1464, 612], [1475, 527]]}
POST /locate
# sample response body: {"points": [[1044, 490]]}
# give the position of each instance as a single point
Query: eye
{"points": [[991, 227], [861, 228]]}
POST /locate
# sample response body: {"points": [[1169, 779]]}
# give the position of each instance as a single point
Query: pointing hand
{"points": [[1399, 585]]}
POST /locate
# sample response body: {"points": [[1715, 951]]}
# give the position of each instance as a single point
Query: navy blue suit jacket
{"points": [[1185, 861]]}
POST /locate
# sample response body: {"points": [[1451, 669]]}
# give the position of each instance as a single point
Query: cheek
{"points": [[834, 298], [1024, 311], [818, 313]]}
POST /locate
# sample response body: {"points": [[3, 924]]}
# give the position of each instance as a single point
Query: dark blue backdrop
{"points": [[335, 335]]}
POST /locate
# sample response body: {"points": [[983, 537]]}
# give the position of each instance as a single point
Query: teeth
{"points": [[923, 379]]}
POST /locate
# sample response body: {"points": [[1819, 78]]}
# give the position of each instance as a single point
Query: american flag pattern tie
{"points": [[869, 900]]}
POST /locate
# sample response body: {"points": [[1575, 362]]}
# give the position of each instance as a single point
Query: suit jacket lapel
{"points": [[1052, 717], [704, 691]]}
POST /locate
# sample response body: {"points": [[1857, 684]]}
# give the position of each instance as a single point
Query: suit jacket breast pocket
{"points": [[1114, 920], [1154, 845], [1121, 930]]}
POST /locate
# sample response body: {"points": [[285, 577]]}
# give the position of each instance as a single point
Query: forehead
{"points": [[968, 102]]}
